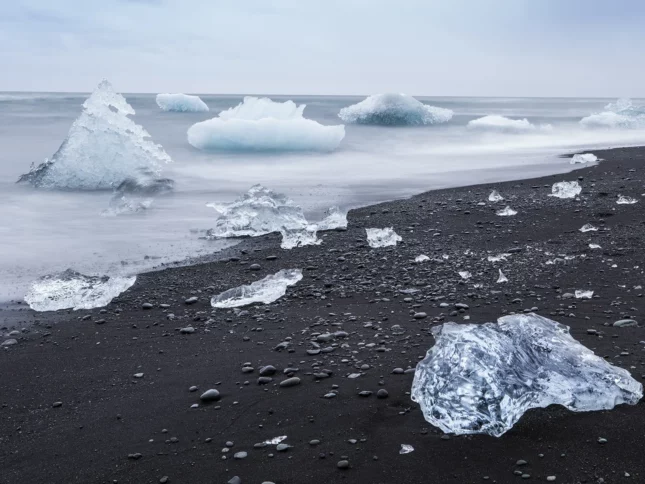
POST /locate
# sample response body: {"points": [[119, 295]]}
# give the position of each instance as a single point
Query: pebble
{"points": [[255, 267], [146, 306], [420, 315], [382, 393], [57, 404], [235, 480], [550, 478], [343, 464], [187, 330], [240, 455], [211, 395], [290, 382], [9, 342], [625, 323], [267, 370], [191, 300], [164, 480]]}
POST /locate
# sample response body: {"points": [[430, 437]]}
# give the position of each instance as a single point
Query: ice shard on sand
{"points": [[382, 237], [265, 291]]}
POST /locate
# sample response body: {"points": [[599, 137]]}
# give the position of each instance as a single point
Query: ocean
{"points": [[47, 231]]}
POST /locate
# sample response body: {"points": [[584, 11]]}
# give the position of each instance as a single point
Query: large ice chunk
{"points": [[481, 378], [565, 189], [495, 197], [583, 158], [502, 124], [506, 212], [299, 237], [621, 114], [266, 290], [335, 219], [181, 103], [394, 110], [72, 290], [382, 237], [103, 148], [133, 196], [260, 124]]}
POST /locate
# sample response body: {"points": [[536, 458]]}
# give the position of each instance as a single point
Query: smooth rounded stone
{"points": [[264, 380], [365, 393], [146, 306], [324, 338], [290, 382], [267, 370], [526, 476], [313, 352], [461, 306], [282, 447], [191, 300], [255, 267], [382, 393], [138, 375], [398, 371], [187, 330], [420, 315], [240, 455], [164, 480], [625, 323], [211, 395], [521, 462], [57, 404], [330, 395], [247, 369], [602, 440], [9, 342], [235, 480], [267, 482], [271, 257], [229, 444], [314, 442], [321, 375], [550, 478], [343, 464]]}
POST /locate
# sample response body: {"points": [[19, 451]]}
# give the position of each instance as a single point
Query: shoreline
{"points": [[86, 359]]}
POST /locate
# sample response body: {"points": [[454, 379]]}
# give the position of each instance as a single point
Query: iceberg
{"points": [[182, 103], [265, 291], [104, 147], [495, 197], [481, 378], [72, 290], [622, 200], [292, 238], [502, 124], [335, 220], [382, 237], [583, 158], [565, 189], [506, 212], [622, 114], [260, 124], [394, 110]]}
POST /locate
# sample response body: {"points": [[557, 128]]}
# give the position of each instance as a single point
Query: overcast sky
{"points": [[420, 47]]}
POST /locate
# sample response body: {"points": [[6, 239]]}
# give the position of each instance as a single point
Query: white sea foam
{"points": [[181, 103], [392, 110]]}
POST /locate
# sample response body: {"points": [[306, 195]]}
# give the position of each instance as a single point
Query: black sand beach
{"points": [[72, 411]]}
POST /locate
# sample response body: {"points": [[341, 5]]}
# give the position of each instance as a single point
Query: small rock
{"points": [[57, 404], [625, 323], [211, 395], [191, 300], [343, 464], [382, 393], [290, 382]]}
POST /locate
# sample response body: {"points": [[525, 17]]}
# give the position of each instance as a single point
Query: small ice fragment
{"points": [[588, 228], [292, 238], [622, 200], [394, 110], [421, 258], [498, 257], [495, 197], [583, 158], [382, 237], [335, 219], [182, 103], [465, 275], [266, 290], [580, 294], [406, 449], [502, 277], [481, 378], [275, 440], [594, 246], [506, 212], [502, 124], [566, 189]]}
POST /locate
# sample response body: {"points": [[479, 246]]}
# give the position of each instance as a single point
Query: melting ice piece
{"points": [[260, 124], [502, 124], [181, 103], [594, 246], [72, 290], [481, 378], [275, 440], [622, 200], [498, 257], [394, 110], [103, 148], [406, 449], [495, 196], [134, 196], [588, 228], [382, 237], [292, 238], [465, 275], [506, 212], [565, 189], [580, 294], [260, 211], [502, 278], [622, 114], [266, 290], [583, 158], [421, 258], [335, 219]]}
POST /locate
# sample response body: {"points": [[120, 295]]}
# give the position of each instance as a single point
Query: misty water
{"points": [[46, 231]]}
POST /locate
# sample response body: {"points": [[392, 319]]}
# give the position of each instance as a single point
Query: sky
{"points": [[581, 48]]}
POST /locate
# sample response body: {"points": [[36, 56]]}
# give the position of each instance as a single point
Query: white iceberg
{"points": [[481, 378], [583, 158], [622, 200], [260, 124], [265, 291], [292, 238], [622, 114], [588, 228], [335, 219], [382, 237], [581, 294], [103, 148], [506, 212], [394, 110], [495, 196], [502, 278], [502, 124], [566, 189], [182, 103], [421, 258], [72, 290]]}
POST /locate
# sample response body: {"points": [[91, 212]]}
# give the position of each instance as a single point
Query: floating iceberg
{"points": [[260, 124], [382, 237], [481, 378], [183, 103], [266, 290], [583, 158], [495, 197], [506, 212], [72, 290], [502, 124], [394, 110], [335, 220], [566, 189], [588, 228], [622, 200], [292, 238], [103, 148], [621, 114], [502, 278], [580, 294]]}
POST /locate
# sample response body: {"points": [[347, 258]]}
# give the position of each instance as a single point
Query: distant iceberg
{"points": [[72, 290], [103, 149], [260, 124], [182, 103], [503, 124], [583, 158], [394, 110], [265, 291], [621, 114]]}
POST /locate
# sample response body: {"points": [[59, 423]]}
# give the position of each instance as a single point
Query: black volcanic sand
{"points": [[113, 427]]}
